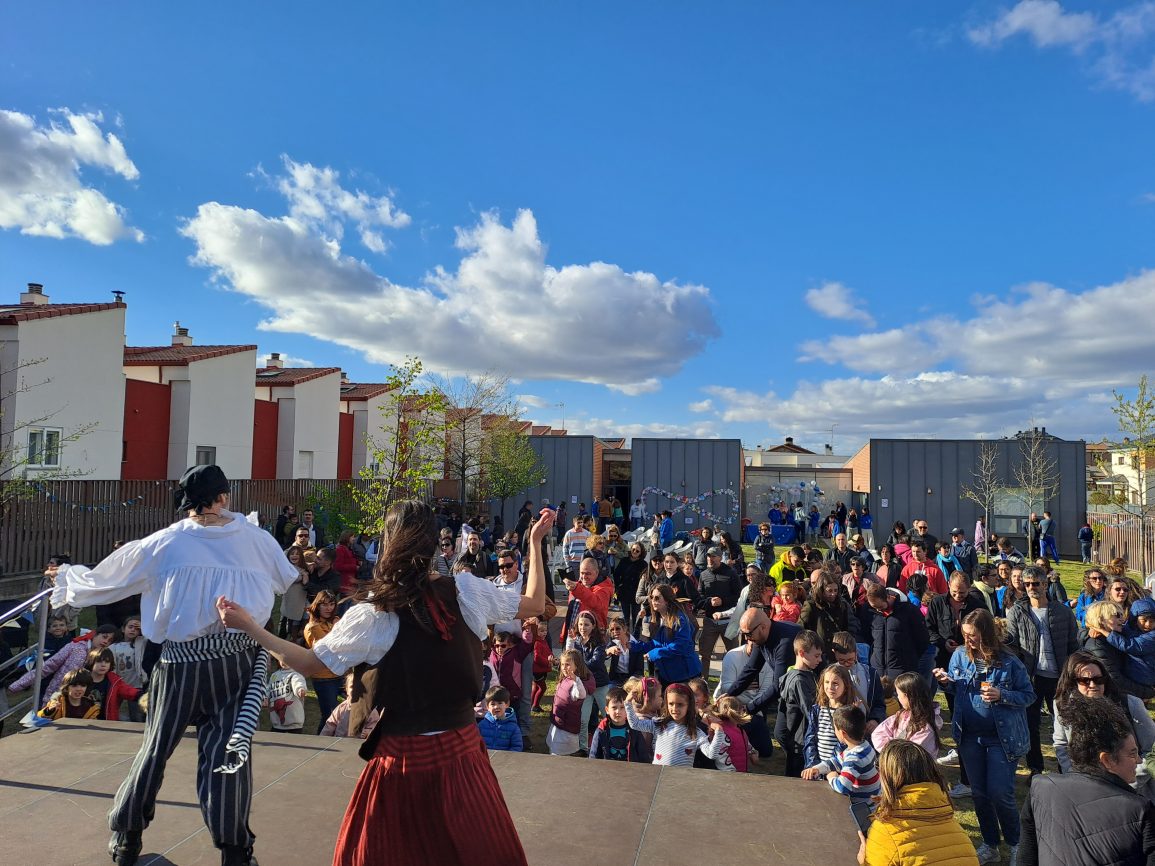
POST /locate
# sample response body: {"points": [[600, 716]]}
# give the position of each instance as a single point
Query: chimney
{"points": [[34, 296], [180, 335], [275, 361], [789, 440], [344, 378], [829, 449]]}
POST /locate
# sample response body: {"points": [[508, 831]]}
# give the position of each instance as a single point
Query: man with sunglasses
{"points": [[510, 579], [1044, 634], [774, 646]]}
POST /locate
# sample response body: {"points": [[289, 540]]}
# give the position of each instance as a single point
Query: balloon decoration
{"points": [[692, 503], [807, 492]]}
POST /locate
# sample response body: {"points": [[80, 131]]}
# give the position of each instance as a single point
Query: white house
{"points": [[307, 401], [373, 413], [204, 396], [61, 375]]}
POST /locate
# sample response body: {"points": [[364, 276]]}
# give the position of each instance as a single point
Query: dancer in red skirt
{"points": [[414, 643]]}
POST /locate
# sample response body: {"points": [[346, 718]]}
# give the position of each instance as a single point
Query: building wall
{"points": [[146, 416], [902, 471], [308, 427], [376, 418], [83, 383], [264, 460], [345, 445], [689, 468], [220, 413], [859, 465], [764, 486], [569, 472]]}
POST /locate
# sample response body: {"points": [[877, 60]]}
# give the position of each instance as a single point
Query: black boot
{"points": [[124, 847], [236, 855]]}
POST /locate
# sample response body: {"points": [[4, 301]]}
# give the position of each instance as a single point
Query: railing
{"points": [[1119, 535], [39, 602]]}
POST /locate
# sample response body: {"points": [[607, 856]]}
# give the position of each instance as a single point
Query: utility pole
{"points": [[562, 406]]}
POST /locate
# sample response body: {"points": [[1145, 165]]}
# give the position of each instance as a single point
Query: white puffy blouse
{"points": [[364, 634]]}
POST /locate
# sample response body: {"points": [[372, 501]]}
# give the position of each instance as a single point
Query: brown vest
{"points": [[423, 683]]}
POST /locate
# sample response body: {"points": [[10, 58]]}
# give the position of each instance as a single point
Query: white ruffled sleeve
{"points": [[363, 635], [126, 571], [483, 604]]}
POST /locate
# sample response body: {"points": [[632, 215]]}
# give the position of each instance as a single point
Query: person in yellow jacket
{"points": [[914, 824]]}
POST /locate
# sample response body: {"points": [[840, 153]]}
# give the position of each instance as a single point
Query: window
{"points": [[206, 455], [1121, 460], [44, 446], [304, 464]]}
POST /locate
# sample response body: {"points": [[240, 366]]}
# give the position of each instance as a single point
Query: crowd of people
{"points": [[832, 652]]}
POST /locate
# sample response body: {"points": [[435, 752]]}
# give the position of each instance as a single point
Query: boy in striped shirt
{"points": [[854, 772]]}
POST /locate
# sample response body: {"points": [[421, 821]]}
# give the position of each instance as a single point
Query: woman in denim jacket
{"points": [[992, 691]]}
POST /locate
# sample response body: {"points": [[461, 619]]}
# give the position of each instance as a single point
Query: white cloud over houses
{"points": [[288, 361], [532, 401], [1041, 352], [607, 427], [294, 265], [1115, 49], [834, 300], [42, 191]]}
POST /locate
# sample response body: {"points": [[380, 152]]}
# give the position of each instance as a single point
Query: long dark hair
{"points": [[1068, 688], [990, 648], [402, 578], [922, 705]]}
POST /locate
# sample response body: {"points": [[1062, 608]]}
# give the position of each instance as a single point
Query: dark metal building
{"points": [[923, 478], [569, 472], [700, 480]]}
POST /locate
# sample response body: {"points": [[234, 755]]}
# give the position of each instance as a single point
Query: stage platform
{"points": [[56, 785]]}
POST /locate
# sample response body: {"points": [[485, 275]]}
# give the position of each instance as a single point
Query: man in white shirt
{"points": [[207, 676]]}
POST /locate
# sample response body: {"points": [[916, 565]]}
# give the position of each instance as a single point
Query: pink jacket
{"points": [[70, 657], [894, 728]]}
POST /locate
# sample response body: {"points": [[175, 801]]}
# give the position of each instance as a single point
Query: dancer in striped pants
{"points": [[208, 677]]}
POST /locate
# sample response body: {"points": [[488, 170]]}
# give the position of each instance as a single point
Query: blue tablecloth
{"points": [[780, 534]]}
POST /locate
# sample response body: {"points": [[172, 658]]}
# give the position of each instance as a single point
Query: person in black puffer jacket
{"points": [[1091, 816], [900, 634]]}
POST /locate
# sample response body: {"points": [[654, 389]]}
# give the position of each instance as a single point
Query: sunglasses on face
{"points": [[1031, 583], [506, 565], [1090, 681]]}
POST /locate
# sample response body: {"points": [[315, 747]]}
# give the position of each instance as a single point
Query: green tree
{"points": [[510, 465], [410, 450], [1137, 419], [474, 405]]}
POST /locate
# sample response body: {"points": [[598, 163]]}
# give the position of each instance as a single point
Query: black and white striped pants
{"points": [[206, 692]]}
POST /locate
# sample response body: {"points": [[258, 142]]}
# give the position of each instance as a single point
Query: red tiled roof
{"points": [[285, 376], [789, 449], [177, 356], [539, 430], [558, 433], [26, 312], [364, 390]]}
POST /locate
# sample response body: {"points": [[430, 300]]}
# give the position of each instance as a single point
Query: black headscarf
{"points": [[199, 488]]}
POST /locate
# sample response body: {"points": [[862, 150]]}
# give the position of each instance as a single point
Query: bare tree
{"points": [[986, 487], [473, 405], [1137, 419], [1037, 472]]}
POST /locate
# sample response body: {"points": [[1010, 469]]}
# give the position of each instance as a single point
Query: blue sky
{"points": [[750, 220]]}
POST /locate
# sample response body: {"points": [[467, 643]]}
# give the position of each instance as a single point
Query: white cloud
{"points": [[835, 301], [41, 189], [532, 401], [288, 361], [635, 389], [608, 428], [299, 272], [318, 200], [1117, 50], [897, 350], [702, 405]]}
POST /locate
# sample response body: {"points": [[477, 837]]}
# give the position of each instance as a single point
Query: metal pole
{"points": [[42, 629]]}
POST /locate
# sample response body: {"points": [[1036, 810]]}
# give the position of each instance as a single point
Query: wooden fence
{"points": [[1119, 536], [85, 518]]}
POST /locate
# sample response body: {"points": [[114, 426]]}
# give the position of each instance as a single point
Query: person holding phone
{"points": [[914, 821], [992, 691]]}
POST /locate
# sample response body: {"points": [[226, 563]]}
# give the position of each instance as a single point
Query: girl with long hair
{"points": [[676, 733], [671, 643], [835, 689], [918, 720], [322, 617], [428, 793]]}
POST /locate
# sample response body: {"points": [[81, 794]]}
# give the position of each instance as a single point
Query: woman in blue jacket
{"points": [[671, 643], [992, 691]]}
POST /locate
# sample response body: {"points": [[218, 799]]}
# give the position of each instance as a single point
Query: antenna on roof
{"points": [[119, 295]]}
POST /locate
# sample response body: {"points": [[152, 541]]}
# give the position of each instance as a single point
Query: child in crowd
{"points": [[798, 693], [107, 689], [574, 683], [499, 727], [129, 664], [337, 725], [286, 701], [764, 547], [73, 702], [1138, 641], [821, 743], [735, 754], [867, 682], [591, 643], [543, 661], [676, 734], [70, 658], [918, 720], [853, 772], [623, 663], [614, 739], [785, 606], [322, 618], [916, 591], [295, 599], [56, 636], [507, 657], [701, 690]]}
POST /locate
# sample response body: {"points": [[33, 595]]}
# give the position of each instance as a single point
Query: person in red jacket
{"points": [[920, 561], [345, 563], [108, 689], [592, 592]]}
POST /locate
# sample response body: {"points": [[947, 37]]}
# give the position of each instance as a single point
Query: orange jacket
{"points": [[595, 599]]}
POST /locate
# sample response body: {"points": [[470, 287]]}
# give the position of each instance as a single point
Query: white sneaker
{"points": [[950, 759], [987, 854], [960, 790], [1013, 860]]}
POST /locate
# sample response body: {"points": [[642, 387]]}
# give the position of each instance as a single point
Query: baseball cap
{"points": [[956, 531], [714, 551]]}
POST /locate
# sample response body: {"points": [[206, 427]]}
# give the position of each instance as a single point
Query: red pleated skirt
{"points": [[432, 801]]}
